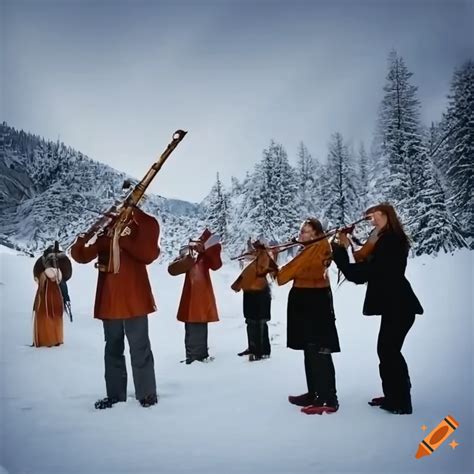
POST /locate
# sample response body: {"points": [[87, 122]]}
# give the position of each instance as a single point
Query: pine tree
{"points": [[285, 186], [307, 184], [340, 189], [261, 201], [217, 214], [240, 227], [268, 210], [399, 137], [363, 190], [432, 226], [459, 150]]}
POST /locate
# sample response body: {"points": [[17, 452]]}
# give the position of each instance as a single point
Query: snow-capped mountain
{"points": [[49, 191]]}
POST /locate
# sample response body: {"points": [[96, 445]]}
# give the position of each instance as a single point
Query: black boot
{"points": [[107, 402], [405, 409], [244, 353], [149, 400], [400, 401], [302, 400], [376, 402]]}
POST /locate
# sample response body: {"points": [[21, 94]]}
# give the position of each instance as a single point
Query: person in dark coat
{"points": [[390, 295], [311, 325]]}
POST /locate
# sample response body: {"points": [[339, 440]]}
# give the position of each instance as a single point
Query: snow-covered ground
{"points": [[232, 416]]}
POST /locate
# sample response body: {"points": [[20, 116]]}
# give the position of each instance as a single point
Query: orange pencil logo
{"points": [[437, 437]]}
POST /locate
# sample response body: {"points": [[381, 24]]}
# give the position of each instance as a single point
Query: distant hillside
{"points": [[49, 191]]}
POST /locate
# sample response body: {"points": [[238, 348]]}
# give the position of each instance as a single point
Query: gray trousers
{"points": [[195, 341], [143, 367]]}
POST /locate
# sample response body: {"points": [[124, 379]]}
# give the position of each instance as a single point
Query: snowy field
{"points": [[232, 416]]}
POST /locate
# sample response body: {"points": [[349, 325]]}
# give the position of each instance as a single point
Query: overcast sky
{"points": [[115, 79]]}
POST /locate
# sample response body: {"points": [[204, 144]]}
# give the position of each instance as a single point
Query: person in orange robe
{"points": [[123, 302], [49, 271], [197, 306], [257, 299]]}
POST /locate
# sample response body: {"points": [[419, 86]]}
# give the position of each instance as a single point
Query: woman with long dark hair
{"points": [[390, 295]]}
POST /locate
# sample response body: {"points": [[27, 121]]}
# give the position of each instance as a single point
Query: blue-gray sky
{"points": [[114, 79]]}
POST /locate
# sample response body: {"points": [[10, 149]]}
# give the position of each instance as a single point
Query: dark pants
{"points": [[320, 373], [257, 335], [136, 330], [195, 341], [393, 368], [257, 313]]}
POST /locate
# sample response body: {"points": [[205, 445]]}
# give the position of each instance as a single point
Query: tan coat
{"points": [[126, 294], [198, 303], [253, 276], [309, 268]]}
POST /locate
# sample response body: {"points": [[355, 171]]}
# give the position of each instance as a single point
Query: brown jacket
{"points": [[253, 276], [309, 268], [126, 294], [198, 304]]}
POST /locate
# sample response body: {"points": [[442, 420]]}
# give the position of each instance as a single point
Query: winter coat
{"points": [[388, 290], [126, 294], [253, 276], [309, 267], [198, 304]]}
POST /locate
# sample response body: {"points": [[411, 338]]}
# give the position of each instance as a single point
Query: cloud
{"points": [[115, 80]]}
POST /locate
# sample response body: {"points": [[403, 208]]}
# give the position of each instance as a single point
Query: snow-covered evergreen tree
{"points": [[432, 227], [286, 188], [308, 175], [261, 202], [459, 148], [399, 136], [364, 178], [217, 212], [268, 209], [340, 187]]}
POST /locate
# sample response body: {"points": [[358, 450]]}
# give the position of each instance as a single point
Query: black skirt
{"points": [[257, 304], [311, 319]]}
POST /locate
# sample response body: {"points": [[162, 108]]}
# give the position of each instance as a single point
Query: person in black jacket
{"points": [[390, 295]]}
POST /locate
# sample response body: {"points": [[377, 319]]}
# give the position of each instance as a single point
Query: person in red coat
{"points": [[123, 302], [197, 306]]}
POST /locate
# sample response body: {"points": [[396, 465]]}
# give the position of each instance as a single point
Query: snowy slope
{"points": [[231, 415]]}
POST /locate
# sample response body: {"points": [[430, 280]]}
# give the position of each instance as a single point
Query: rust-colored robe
{"points": [[198, 304], [126, 294], [48, 307]]}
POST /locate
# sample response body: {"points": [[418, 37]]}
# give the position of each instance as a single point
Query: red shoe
{"points": [[377, 401], [320, 407]]}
